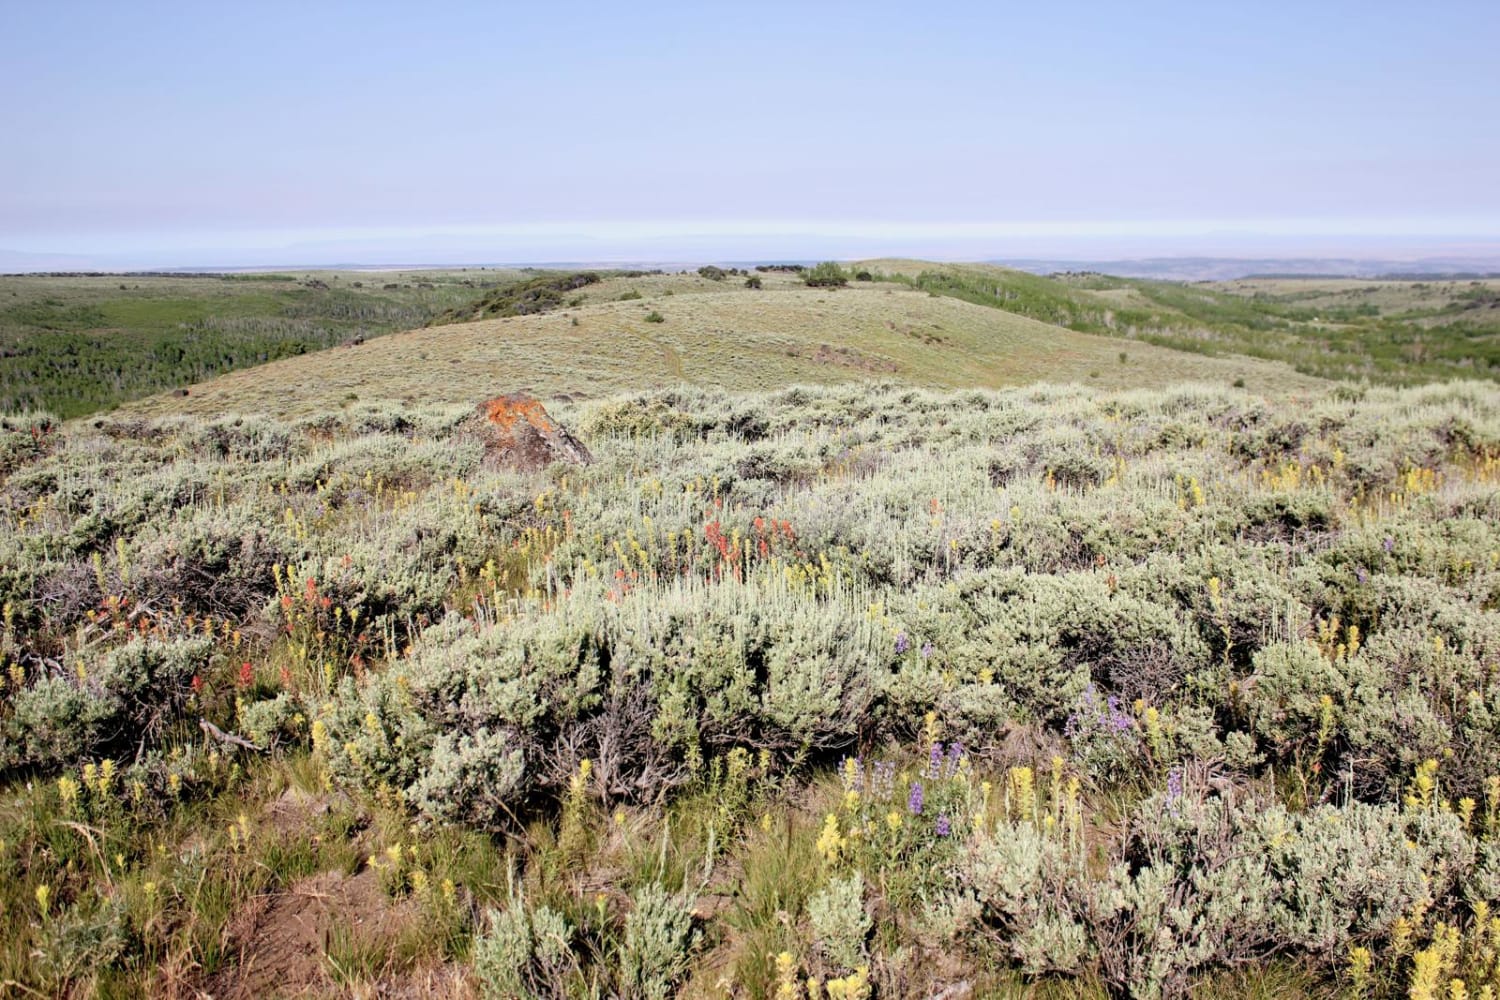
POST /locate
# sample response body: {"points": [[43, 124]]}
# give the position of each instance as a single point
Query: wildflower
{"points": [[943, 828], [902, 643], [787, 987], [197, 684], [1174, 789], [851, 774], [893, 820], [955, 758], [883, 782], [935, 762], [914, 800], [829, 842], [43, 897], [926, 650]]}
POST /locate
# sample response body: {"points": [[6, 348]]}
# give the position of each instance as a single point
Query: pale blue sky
{"points": [[166, 131]]}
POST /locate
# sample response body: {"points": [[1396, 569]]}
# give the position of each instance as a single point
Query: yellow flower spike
{"points": [[1360, 964], [67, 790], [830, 843], [787, 986], [1022, 792], [893, 819], [43, 898], [850, 773]]}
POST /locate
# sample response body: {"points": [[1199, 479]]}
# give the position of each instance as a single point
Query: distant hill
{"points": [[1230, 268], [1403, 331], [717, 334]]}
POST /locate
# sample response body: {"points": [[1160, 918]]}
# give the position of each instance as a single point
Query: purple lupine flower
{"points": [[902, 643], [955, 757], [1359, 571], [1174, 789], [935, 762], [1388, 544], [926, 650], [1117, 717], [943, 827], [914, 800]]}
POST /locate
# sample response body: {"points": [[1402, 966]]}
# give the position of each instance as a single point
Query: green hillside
{"points": [[76, 344], [715, 334], [1398, 332]]}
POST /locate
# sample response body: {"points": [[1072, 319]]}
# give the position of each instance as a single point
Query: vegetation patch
{"points": [[848, 691]]}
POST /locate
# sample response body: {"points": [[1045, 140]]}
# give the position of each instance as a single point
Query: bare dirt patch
{"points": [[278, 942]]}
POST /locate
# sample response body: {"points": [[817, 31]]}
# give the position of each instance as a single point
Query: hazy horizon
{"points": [[157, 136]]}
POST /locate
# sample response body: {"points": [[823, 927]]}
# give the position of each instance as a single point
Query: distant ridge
{"points": [[1237, 268]]}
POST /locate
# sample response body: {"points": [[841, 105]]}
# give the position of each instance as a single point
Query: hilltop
{"points": [[720, 334], [78, 344]]}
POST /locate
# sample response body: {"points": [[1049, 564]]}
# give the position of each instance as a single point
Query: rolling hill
{"points": [[715, 334]]}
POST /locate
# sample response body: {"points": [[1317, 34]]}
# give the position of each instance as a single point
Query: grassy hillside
{"points": [[1398, 332], [77, 344], [74, 344], [717, 334], [842, 692]]}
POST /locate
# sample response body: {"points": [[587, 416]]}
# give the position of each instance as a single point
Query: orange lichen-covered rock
{"points": [[518, 433]]}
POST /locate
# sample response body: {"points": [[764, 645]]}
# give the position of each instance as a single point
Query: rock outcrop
{"points": [[518, 433]]}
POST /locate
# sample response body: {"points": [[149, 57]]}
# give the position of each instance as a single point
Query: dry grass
{"points": [[715, 334]]}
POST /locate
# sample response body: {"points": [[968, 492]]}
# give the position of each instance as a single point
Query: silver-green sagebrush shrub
{"points": [[471, 778], [658, 944], [526, 954], [1206, 882], [119, 700], [840, 923]]}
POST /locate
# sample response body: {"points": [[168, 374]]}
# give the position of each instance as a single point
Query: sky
{"points": [[179, 134]]}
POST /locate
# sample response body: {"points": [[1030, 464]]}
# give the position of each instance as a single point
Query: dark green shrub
{"points": [[826, 275]]}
